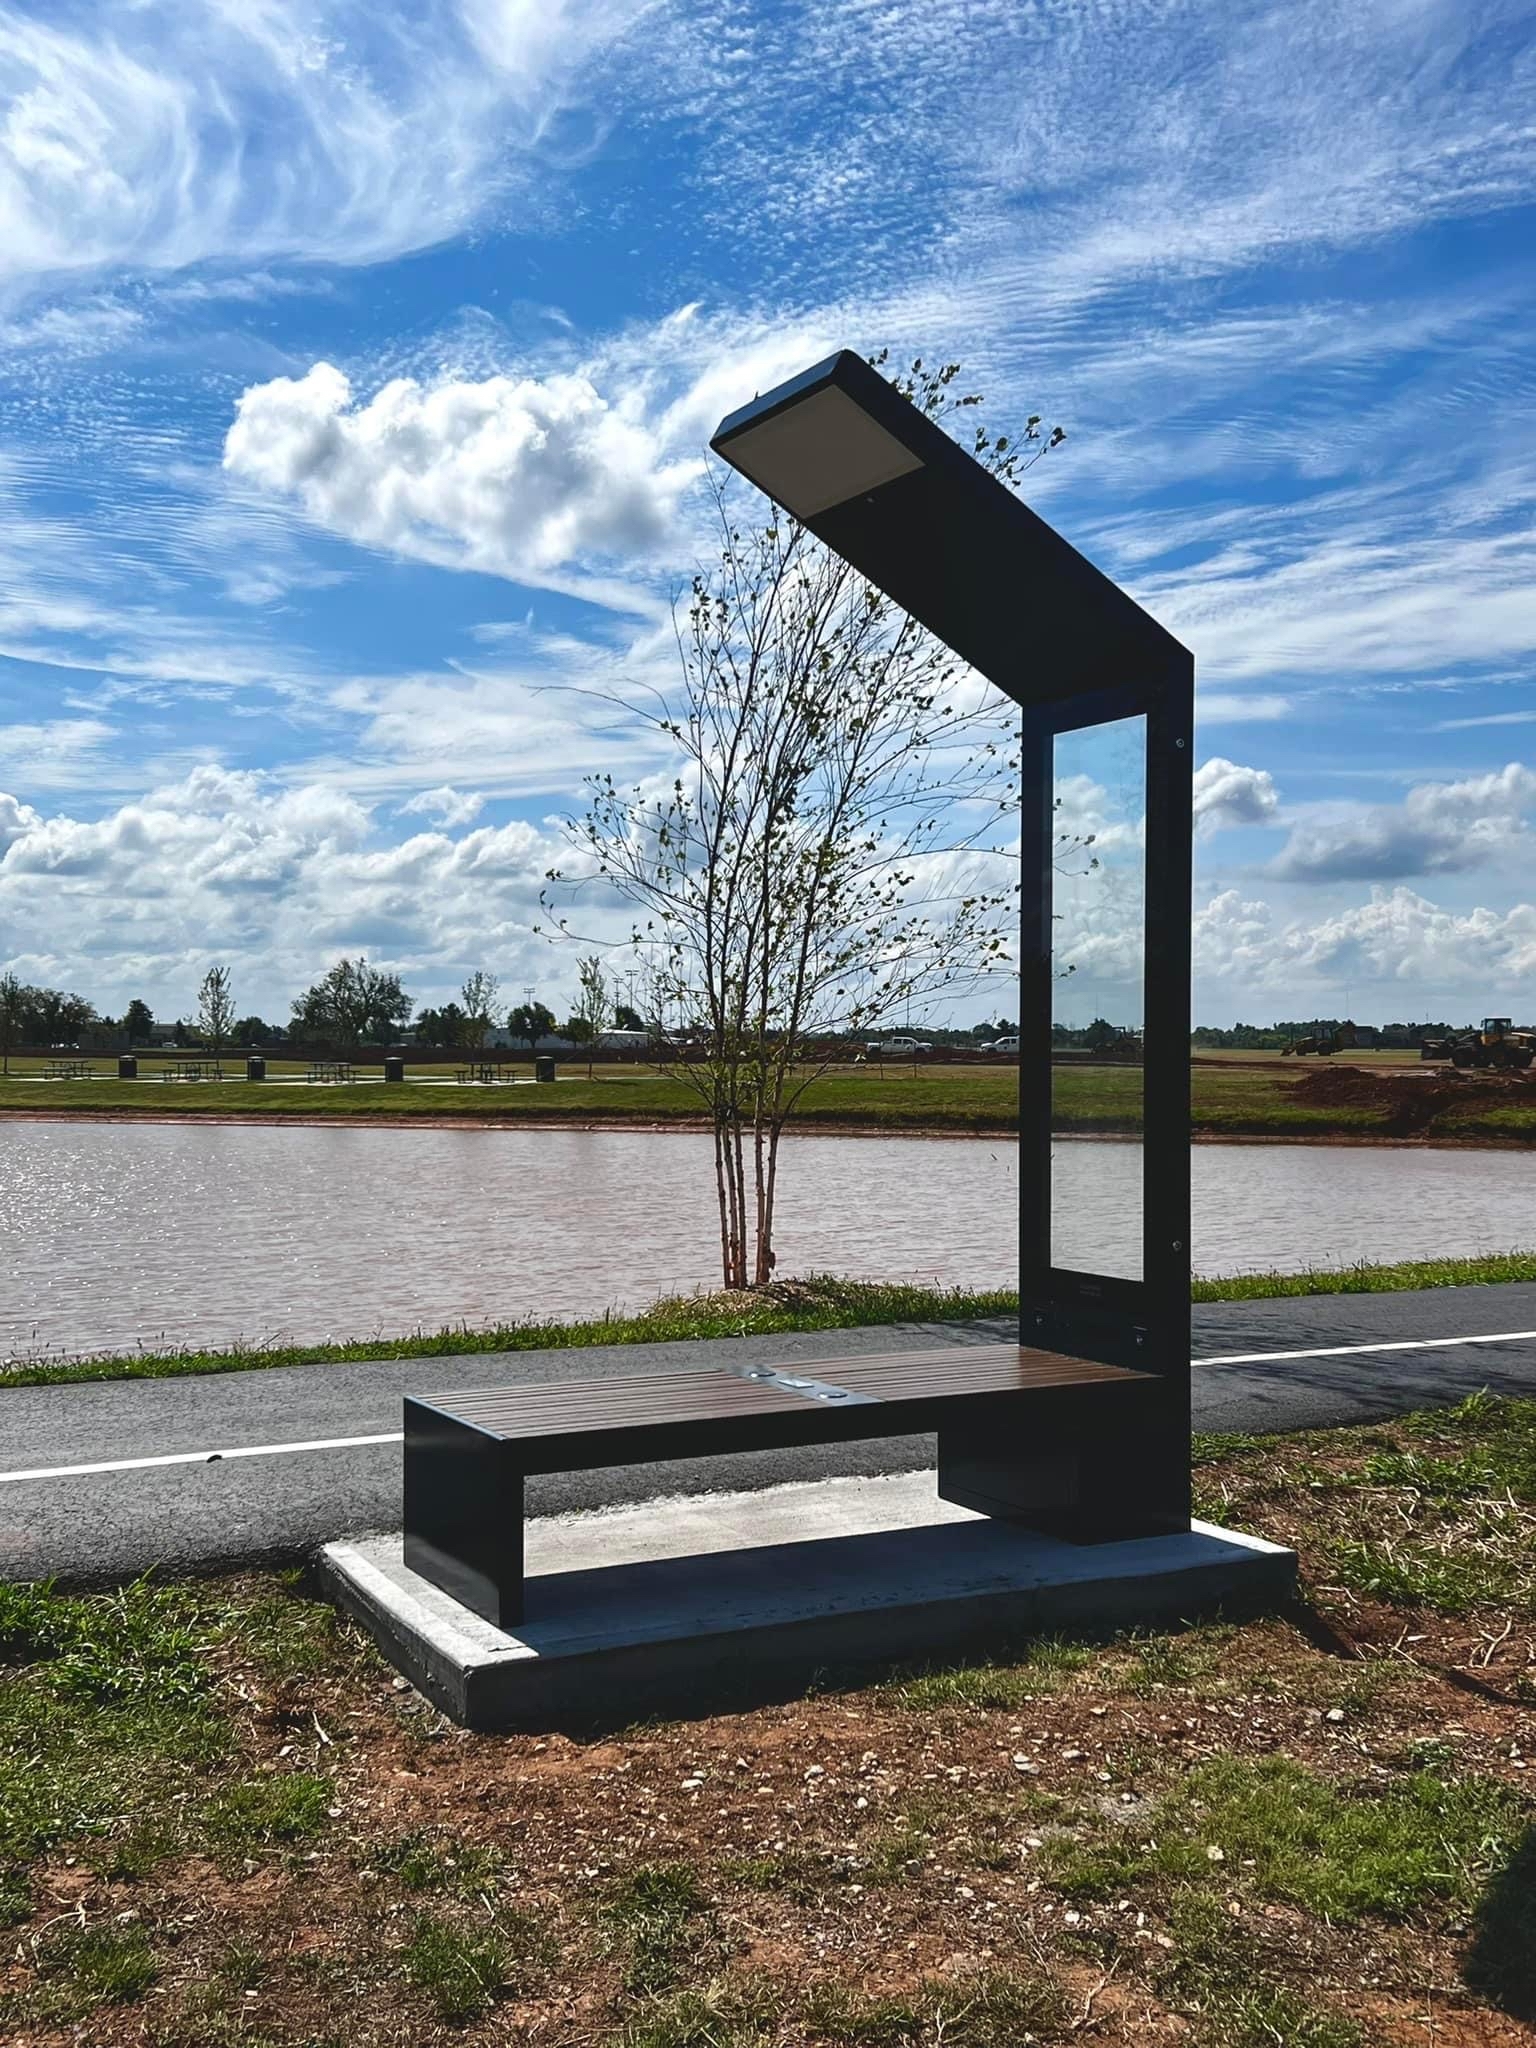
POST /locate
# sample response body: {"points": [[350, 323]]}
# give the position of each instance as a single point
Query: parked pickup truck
{"points": [[899, 1045]]}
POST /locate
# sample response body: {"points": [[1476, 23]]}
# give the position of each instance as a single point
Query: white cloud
{"points": [[62, 753], [449, 806], [278, 881], [1224, 707], [518, 477], [174, 132], [1439, 828], [1226, 794], [1398, 951]]}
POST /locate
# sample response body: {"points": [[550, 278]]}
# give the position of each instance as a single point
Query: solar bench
{"points": [[1057, 1443]]}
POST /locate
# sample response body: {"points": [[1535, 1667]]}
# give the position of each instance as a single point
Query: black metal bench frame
{"points": [[1058, 1444]]}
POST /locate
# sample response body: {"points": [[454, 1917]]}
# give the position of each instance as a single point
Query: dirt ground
{"points": [[1317, 1829]]}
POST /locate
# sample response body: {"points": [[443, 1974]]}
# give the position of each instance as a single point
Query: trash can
{"points": [[255, 1067], [127, 1067], [394, 1067], [544, 1067]]}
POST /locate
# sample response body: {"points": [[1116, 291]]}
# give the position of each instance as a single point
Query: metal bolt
{"points": [[1178, 743]]}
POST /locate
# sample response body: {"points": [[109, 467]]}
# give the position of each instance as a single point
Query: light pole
{"points": [[883, 485]]}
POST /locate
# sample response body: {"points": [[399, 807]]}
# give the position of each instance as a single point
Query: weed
{"points": [[653, 1907], [463, 1974], [102, 1965], [289, 1806]]}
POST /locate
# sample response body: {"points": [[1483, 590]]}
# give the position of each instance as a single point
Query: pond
{"points": [[119, 1235]]}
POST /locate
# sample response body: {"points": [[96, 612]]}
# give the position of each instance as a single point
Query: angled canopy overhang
{"points": [[888, 489]]}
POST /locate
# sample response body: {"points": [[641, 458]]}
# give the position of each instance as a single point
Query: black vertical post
{"points": [[1037, 832]]}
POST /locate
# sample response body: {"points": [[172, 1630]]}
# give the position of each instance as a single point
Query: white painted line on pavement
{"points": [[324, 1443], [395, 1436], [1357, 1350]]}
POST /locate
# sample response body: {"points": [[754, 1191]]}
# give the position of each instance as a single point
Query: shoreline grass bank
{"points": [[224, 1821], [1279, 1099], [819, 1302]]}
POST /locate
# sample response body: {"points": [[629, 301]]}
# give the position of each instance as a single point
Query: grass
{"points": [[819, 1302], [220, 1822], [1287, 1834], [1253, 1098]]}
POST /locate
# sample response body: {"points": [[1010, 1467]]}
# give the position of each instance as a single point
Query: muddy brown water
{"points": [[119, 1235]]}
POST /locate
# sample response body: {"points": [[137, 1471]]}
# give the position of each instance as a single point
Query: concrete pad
{"points": [[682, 1605]]}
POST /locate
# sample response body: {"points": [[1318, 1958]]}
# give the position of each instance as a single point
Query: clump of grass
{"points": [[1038, 1668], [99, 1965], [1222, 1988], [858, 2020], [463, 1974], [729, 2012], [287, 1806], [655, 1908], [994, 2009], [422, 1864], [1284, 1832]]}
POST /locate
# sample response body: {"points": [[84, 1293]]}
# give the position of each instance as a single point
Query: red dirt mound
{"points": [[1408, 1103]]}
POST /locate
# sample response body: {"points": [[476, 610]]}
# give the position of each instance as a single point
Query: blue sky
{"points": [[357, 366]]}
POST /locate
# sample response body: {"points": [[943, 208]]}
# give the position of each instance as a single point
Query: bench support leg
{"points": [[464, 1514], [1099, 1471]]}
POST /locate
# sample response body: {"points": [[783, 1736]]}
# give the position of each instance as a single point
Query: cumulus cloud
{"points": [[515, 476], [1398, 945], [1227, 794], [1440, 828], [277, 880], [448, 805]]}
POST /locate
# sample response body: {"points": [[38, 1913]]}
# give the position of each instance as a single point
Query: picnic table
{"points": [[484, 1070], [330, 1070], [192, 1070], [68, 1070]]}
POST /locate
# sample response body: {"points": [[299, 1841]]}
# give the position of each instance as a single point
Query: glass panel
{"points": [[1098, 990]]}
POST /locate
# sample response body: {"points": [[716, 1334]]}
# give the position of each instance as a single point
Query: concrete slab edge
{"points": [[487, 1681]]}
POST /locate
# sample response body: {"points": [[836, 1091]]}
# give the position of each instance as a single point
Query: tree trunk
{"points": [[766, 1144]]}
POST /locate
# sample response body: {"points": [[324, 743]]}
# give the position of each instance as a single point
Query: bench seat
{"points": [[1019, 1431]]}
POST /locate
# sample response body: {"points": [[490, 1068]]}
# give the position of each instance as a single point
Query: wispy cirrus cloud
{"points": [[184, 131]]}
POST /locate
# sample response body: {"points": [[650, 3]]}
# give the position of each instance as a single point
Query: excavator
{"points": [[1325, 1043], [1495, 1043]]}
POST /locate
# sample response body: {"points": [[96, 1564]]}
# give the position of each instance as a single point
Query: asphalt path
{"points": [[265, 1499]]}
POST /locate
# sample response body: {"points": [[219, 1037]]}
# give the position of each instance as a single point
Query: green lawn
{"points": [[1228, 1101]]}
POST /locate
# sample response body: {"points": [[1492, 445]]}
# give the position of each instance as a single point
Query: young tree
{"points": [[530, 1021], [824, 860], [594, 1008], [138, 1021], [351, 1003], [13, 1010], [216, 1010], [478, 1000]]}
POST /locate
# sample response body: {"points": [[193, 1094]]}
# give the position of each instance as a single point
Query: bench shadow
{"points": [[1500, 1964]]}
